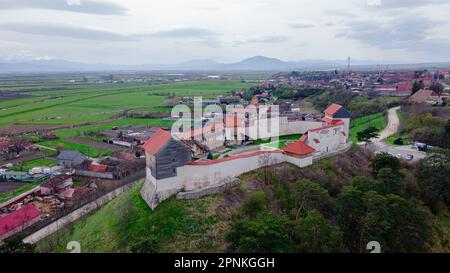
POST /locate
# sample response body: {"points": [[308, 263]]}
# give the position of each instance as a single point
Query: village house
{"points": [[70, 159], [61, 184], [425, 96]]}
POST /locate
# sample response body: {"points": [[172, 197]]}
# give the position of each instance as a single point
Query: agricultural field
{"points": [[7, 195], [60, 104], [74, 110], [40, 162]]}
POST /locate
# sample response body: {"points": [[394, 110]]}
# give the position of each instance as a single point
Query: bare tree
{"points": [[265, 161]]}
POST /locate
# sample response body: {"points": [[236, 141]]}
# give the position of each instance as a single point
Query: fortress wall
{"points": [[330, 139], [284, 128], [192, 177]]}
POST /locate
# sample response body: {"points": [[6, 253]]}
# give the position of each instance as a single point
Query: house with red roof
{"points": [[425, 96], [18, 220]]}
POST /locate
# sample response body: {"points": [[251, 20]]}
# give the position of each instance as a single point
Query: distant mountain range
{"points": [[257, 63]]}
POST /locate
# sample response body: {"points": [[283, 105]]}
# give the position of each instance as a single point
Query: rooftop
{"points": [[69, 155], [157, 141], [17, 218], [299, 148]]}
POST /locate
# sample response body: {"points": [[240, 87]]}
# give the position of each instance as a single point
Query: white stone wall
{"points": [[194, 177], [330, 139], [297, 127], [284, 128]]}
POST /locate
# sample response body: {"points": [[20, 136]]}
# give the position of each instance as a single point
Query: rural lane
{"points": [[392, 127], [378, 145]]}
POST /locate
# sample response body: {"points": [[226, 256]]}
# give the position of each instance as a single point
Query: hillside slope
{"points": [[262, 214]]}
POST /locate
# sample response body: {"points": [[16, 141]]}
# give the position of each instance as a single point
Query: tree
{"points": [[434, 179], [437, 88], [308, 195], [417, 85], [392, 181], [16, 245], [367, 134], [365, 184], [314, 234], [447, 127], [411, 226], [362, 217], [265, 161], [385, 160], [349, 211], [267, 232], [374, 224]]}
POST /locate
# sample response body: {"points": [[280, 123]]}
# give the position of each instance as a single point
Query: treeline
{"points": [[392, 203], [422, 126], [295, 94], [357, 105]]}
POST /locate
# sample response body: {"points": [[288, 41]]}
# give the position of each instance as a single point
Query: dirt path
{"points": [[392, 127]]}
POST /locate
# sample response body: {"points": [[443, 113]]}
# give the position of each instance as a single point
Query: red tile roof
{"points": [[422, 95], [331, 121], [337, 123], [17, 218], [157, 141], [299, 148], [211, 162], [332, 109], [200, 131], [98, 168]]}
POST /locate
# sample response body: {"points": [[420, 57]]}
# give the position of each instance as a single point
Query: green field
{"points": [[359, 124], [282, 142], [5, 196], [54, 101], [90, 102], [40, 162]]}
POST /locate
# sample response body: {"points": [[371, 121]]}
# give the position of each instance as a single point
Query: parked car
{"points": [[409, 157]]}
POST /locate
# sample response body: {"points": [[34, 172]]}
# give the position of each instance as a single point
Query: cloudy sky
{"points": [[171, 31]]}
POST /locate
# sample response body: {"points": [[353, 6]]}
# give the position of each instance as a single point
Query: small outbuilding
{"points": [[70, 159]]}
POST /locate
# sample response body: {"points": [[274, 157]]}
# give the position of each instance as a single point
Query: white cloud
{"points": [[179, 30]]}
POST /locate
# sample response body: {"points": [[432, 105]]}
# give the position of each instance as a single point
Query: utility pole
{"points": [[348, 64]]}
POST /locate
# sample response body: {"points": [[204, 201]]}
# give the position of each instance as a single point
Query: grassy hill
{"points": [[360, 124], [127, 222]]}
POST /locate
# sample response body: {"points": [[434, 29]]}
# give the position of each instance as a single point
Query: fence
{"points": [[88, 199]]}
